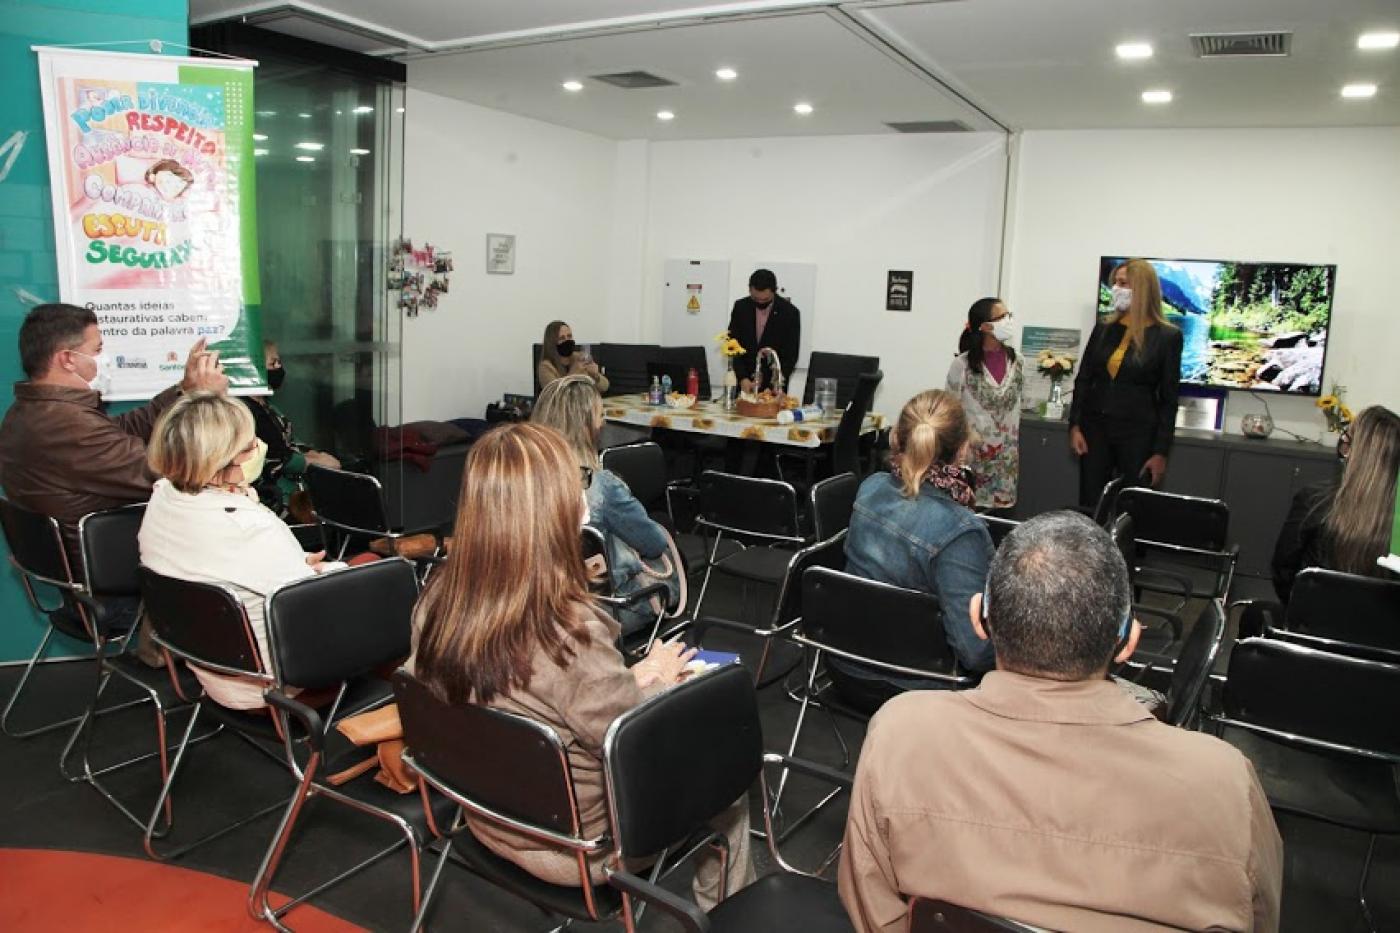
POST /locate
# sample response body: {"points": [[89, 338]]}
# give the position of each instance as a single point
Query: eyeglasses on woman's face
{"points": [[586, 473], [1344, 444]]}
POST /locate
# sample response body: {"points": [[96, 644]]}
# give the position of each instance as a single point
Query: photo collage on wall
{"points": [[418, 275]]}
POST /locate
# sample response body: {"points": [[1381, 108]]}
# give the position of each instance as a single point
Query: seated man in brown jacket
{"points": [[1048, 795], [60, 454]]}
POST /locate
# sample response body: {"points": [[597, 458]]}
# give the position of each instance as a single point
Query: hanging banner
{"points": [[151, 166]]}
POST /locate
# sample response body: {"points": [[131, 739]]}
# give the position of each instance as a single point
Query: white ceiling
{"points": [[1029, 64]]}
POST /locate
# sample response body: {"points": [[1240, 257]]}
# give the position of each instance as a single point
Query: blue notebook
{"points": [[713, 658]]}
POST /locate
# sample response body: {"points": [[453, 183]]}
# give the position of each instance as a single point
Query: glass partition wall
{"points": [[329, 133]]}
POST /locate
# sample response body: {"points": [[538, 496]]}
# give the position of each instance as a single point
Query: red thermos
{"points": [[692, 382]]}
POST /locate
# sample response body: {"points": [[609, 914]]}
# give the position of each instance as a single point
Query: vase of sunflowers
{"points": [[729, 348], [1055, 364], [1335, 410]]}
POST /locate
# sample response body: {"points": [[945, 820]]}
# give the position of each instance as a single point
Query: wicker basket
{"points": [[758, 409]]}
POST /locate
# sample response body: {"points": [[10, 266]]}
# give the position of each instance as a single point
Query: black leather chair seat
{"points": [[564, 900], [363, 694], [782, 901], [761, 564], [1336, 788]]}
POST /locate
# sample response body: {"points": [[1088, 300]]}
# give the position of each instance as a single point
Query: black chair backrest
{"points": [[1344, 607], [749, 505], [347, 500], [506, 763], [1313, 694], [681, 758], [111, 557], [595, 556], [845, 368], [845, 448], [833, 499], [1108, 501], [998, 527], [828, 552], [626, 365], [35, 543], [535, 366], [642, 467], [200, 621], [1122, 533], [928, 916], [327, 628], [1186, 521], [688, 358], [875, 621], [1194, 663]]}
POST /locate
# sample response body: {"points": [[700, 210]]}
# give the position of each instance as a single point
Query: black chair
{"points": [[1107, 506], [1190, 533], [832, 501], [845, 368], [684, 359], [638, 643], [998, 527], [352, 506], [509, 772], [843, 454], [675, 762], [1193, 666], [106, 575], [1320, 730], [1343, 613], [333, 632], [626, 365], [930, 916], [1155, 648]]}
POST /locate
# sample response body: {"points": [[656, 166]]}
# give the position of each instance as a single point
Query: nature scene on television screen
{"points": [[1246, 325]]}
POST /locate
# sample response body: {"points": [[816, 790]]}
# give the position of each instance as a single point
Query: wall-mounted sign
{"points": [[500, 253], [899, 290]]}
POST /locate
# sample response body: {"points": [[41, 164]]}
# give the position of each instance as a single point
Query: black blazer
{"points": [[1300, 541], [783, 333], [1146, 388]]}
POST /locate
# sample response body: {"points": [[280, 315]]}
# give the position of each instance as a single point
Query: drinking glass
{"points": [[825, 396]]}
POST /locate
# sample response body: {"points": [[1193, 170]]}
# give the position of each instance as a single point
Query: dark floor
{"points": [[224, 778]]}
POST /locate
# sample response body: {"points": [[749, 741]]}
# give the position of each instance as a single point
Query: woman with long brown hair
{"points": [[1345, 525], [1123, 414], [560, 357], [507, 623]]}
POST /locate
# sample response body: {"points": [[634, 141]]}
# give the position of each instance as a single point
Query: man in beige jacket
{"points": [[1048, 795]]}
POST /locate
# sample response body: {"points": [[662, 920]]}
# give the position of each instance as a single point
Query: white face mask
{"points": [[1005, 331], [1122, 298], [101, 380]]}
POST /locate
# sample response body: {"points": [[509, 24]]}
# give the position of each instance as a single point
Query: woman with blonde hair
{"points": [[1345, 524], [507, 623], [204, 522], [639, 550], [1123, 414], [560, 357], [914, 527]]}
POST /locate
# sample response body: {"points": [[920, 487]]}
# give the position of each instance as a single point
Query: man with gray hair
{"points": [[1047, 794]]}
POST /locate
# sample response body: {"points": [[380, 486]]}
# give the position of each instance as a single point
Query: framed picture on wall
{"points": [[500, 253]]}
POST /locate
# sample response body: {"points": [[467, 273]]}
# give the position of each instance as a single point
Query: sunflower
{"points": [[1328, 402]]}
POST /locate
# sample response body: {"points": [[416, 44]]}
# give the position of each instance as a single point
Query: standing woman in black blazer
{"points": [[1123, 415]]}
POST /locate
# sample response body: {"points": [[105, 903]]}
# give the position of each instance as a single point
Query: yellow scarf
{"points": [[1116, 360]]}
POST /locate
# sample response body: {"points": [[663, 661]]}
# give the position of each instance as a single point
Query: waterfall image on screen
{"points": [[1246, 325]]}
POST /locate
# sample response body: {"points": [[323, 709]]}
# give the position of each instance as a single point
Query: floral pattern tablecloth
{"points": [[711, 418]]}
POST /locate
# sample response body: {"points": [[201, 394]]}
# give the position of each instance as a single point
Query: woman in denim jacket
{"points": [[914, 527], [639, 550]]}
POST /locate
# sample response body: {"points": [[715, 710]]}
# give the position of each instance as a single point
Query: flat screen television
{"points": [[1259, 326]]}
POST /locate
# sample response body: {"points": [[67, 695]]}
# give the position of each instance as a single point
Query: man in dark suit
{"points": [[764, 319]]}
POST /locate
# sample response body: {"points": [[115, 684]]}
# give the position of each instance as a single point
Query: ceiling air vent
{"points": [[930, 126], [1241, 44], [634, 80]]}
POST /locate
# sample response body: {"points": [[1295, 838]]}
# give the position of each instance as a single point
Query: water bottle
{"points": [[654, 395], [806, 413], [665, 386], [692, 383]]}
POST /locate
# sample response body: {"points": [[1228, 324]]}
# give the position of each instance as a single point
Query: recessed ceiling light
{"points": [[267, 113], [260, 137], [802, 108], [306, 158], [1359, 91], [304, 116], [573, 85], [664, 115], [398, 110], [359, 152], [311, 147], [259, 152], [1134, 51], [726, 74], [363, 108], [1156, 97], [1378, 40], [340, 113]]}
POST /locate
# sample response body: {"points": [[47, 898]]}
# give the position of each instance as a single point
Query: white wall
{"points": [[856, 206], [470, 171], [1301, 195]]}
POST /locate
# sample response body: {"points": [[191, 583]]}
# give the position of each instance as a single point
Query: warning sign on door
{"points": [[693, 302]]}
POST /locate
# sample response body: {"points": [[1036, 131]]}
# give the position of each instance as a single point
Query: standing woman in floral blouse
{"points": [[986, 377]]}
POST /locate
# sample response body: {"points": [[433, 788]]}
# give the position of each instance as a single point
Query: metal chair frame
{"points": [[348, 531], [612, 601], [1226, 561]]}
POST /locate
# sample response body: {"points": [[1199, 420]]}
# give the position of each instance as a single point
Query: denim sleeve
{"points": [[623, 516], [959, 572]]}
